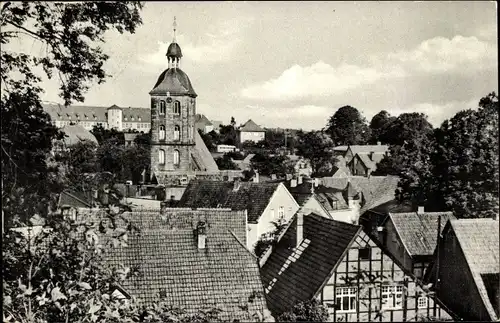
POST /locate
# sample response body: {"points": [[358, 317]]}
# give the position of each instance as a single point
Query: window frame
{"points": [[391, 292], [161, 132], [422, 306], [281, 212], [177, 132], [177, 157], [161, 157], [163, 107], [177, 107], [365, 257], [343, 292]]}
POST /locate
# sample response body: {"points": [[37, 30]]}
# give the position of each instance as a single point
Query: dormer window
{"points": [[125, 118], [162, 107], [177, 132], [162, 132], [140, 119], [177, 107]]}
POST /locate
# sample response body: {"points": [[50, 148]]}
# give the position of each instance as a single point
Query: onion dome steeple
{"points": [[174, 53]]}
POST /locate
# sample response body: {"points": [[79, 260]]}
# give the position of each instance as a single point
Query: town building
{"points": [[114, 117], [411, 237], [192, 260], [73, 134], [250, 131], [361, 160], [465, 270], [264, 202], [340, 266], [203, 124], [178, 154]]}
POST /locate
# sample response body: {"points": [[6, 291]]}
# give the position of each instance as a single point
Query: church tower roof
{"points": [[173, 80]]}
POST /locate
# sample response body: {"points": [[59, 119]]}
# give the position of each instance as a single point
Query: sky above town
{"points": [[293, 64]]}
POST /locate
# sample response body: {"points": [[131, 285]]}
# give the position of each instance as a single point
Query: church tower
{"points": [[173, 110]]}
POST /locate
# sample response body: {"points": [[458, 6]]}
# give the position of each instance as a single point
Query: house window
{"points": [[162, 132], [177, 132], [272, 213], [176, 157], [345, 299], [281, 213], [392, 297], [177, 107], [162, 107], [364, 253], [161, 156], [422, 302]]}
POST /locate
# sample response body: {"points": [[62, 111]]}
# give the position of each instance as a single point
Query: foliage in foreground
{"points": [[309, 311]]}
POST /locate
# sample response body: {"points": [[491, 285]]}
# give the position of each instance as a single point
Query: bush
{"points": [[308, 311]]}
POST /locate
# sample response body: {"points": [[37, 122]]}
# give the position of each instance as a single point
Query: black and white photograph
{"points": [[249, 161]]}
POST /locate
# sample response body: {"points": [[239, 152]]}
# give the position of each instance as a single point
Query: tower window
{"points": [[177, 107], [162, 107], [161, 156], [162, 132], [176, 157], [177, 132]]}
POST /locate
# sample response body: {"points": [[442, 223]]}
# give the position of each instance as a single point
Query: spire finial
{"points": [[175, 26]]}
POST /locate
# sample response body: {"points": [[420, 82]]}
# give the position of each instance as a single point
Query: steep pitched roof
{"points": [[253, 197], [479, 241], [293, 274], [171, 267], [76, 133], [94, 113], [376, 190], [201, 119], [74, 199], [418, 232], [202, 155], [325, 195], [251, 126], [366, 149]]}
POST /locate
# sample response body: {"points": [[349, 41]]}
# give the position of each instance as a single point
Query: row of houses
{"points": [[346, 243]]}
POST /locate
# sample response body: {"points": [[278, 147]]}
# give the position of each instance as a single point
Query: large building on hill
{"points": [[119, 118]]}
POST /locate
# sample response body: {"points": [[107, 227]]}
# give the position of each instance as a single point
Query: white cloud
{"points": [[219, 44], [439, 55], [437, 112], [319, 79]]}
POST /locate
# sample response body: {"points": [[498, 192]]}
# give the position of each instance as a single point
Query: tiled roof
{"points": [[418, 232], [360, 149], [202, 155], [166, 263], [253, 197], [299, 279], [376, 190], [94, 113], [251, 126], [76, 133], [175, 82], [479, 241], [202, 120], [74, 199], [325, 195]]}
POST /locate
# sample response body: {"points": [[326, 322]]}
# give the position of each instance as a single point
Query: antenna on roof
{"points": [[175, 27]]}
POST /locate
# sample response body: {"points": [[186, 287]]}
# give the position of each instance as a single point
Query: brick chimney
{"points": [[236, 184], [256, 177], [316, 182], [420, 210], [300, 228], [293, 182], [201, 234]]}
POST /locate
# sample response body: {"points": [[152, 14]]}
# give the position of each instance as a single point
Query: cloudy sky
{"points": [[293, 64]]}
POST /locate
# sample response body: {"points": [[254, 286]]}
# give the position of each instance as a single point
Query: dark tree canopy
{"points": [[317, 147], [71, 34], [225, 162], [378, 123], [348, 127], [406, 127]]}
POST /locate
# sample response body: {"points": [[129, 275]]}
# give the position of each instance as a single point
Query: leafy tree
{"points": [[268, 165], [210, 139], [225, 162], [466, 160], [102, 134], [233, 122], [317, 147], [71, 33], [228, 135], [267, 239], [135, 159], [308, 311], [236, 155], [110, 156], [348, 127], [378, 123], [405, 127]]}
